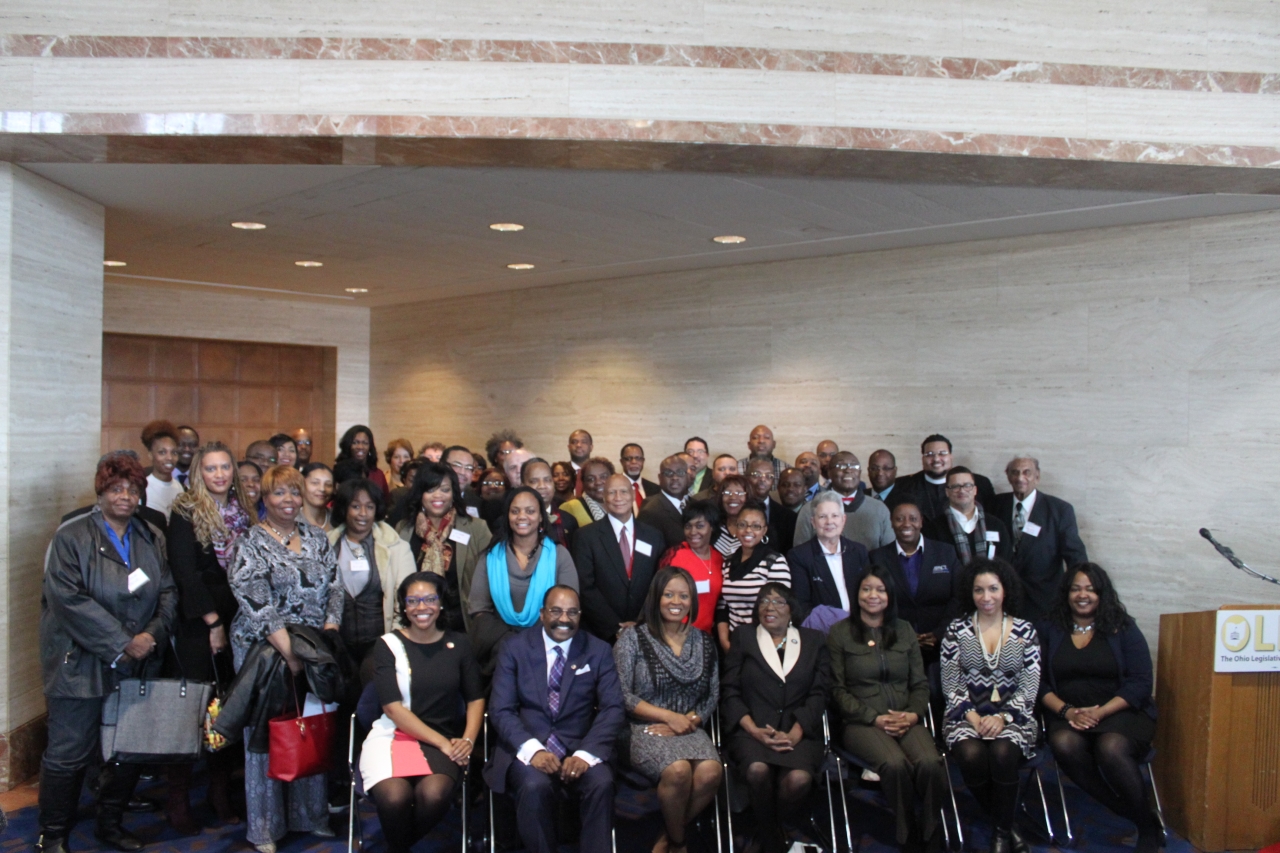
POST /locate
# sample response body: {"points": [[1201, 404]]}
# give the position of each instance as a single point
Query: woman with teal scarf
{"points": [[514, 574]]}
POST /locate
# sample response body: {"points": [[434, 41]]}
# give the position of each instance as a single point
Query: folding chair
{"points": [[367, 713], [1155, 793]]}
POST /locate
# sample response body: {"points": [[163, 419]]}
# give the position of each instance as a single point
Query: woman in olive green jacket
{"points": [[883, 693]]}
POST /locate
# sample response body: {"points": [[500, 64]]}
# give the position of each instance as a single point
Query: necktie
{"points": [[639, 495], [554, 746], [1019, 521], [624, 545], [182, 478]]}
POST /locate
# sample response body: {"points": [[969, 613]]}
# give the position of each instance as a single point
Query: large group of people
{"points": [[601, 620]]}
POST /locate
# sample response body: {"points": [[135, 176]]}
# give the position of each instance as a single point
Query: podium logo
{"points": [[1235, 633]]}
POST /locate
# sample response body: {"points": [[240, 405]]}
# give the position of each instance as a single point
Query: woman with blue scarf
{"points": [[514, 574]]}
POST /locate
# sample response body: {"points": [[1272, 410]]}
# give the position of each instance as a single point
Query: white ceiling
{"points": [[409, 233]]}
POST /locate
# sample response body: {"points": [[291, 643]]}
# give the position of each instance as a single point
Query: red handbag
{"points": [[300, 746]]}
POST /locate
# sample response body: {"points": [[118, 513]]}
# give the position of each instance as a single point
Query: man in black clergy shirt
{"points": [[662, 511], [927, 488], [1046, 541]]}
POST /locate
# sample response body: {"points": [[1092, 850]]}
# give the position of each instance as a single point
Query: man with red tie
{"points": [[580, 447], [633, 466], [616, 558]]}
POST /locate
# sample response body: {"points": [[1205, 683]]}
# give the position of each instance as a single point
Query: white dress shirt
{"points": [[835, 562], [533, 746], [675, 502], [630, 526], [966, 524], [1027, 503]]}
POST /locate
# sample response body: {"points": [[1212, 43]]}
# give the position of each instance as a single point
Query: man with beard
{"points": [[809, 464], [927, 487], [866, 520]]}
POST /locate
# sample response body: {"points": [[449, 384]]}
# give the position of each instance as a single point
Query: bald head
{"points": [[826, 450], [845, 472], [673, 475], [760, 442], [619, 498]]}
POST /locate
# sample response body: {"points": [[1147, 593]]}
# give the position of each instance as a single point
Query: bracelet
{"points": [[1062, 712], [215, 624], [468, 740]]}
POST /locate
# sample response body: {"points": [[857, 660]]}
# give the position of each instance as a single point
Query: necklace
{"points": [[284, 540], [992, 661], [1081, 629]]}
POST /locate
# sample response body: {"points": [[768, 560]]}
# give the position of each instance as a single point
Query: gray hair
{"points": [[827, 496], [1023, 456]]}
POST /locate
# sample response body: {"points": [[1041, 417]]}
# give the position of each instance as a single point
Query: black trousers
{"points": [[535, 794], [73, 748]]}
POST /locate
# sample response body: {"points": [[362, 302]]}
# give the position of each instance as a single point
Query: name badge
{"points": [[462, 537], [993, 535], [473, 512], [137, 580], [704, 587], [991, 551], [643, 547], [941, 570], [359, 565], [1031, 529]]}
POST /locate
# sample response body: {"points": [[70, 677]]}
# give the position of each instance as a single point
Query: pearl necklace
{"points": [[992, 661]]}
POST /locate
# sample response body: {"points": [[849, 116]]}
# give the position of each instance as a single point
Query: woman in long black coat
{"points": [[777, 678]]}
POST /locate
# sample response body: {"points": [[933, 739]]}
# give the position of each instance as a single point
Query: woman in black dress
{"points": [[1096, 689], [777, 677], [421, 673]]}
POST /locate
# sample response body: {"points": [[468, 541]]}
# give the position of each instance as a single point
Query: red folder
{"points": [[407, 758]]}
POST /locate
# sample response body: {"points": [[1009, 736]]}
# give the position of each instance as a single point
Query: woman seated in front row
{"points": [[883, 694], [417, 751], [777, 677], [991, 676], [1096, 689], [669, 674]]}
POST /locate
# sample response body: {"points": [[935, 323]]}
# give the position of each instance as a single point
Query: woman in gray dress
{"points": [[284, 573], [670, 680]]}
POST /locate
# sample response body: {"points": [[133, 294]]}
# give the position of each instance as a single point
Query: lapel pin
{"points": [[871, 642], [448, 645], [573, 666]]}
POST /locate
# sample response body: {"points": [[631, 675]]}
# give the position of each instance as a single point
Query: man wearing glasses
{"points": [[557, 709], [782, 522], [966, 525], [463, 464], [866, 520], [927, 487]]}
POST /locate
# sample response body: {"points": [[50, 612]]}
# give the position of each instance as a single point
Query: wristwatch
{"points": [[1007, 717]]}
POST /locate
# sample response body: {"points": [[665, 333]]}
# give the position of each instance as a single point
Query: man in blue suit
{"points": [[557, 707]]}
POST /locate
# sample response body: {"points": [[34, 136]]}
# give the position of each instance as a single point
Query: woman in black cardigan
{"points": [[1096, 687], [205, 523], [776, 681]]}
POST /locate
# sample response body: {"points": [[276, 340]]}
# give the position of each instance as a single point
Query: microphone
{"points": [[1231, 557]]}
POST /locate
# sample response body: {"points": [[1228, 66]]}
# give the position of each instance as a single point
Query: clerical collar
{"points": [[937, 481]]}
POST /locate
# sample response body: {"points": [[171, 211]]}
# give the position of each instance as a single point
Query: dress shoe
{"points": [[269, 847], [1001, 842], [141, 805], [118, 837], [48, 844], [1019, 843]]}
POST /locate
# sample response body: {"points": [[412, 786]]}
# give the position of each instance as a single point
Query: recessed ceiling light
{"points": [[729, 238], [248, 226], [357, 290], [507, 226], [114, 264], [519, 266], [308, 264]]}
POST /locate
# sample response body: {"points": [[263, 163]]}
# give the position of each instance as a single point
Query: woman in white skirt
{"points": [[417, 751]]}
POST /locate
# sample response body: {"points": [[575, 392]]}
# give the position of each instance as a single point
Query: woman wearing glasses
{"points": [[424, 675], [777, 677], [731, 496], [746, 571], [965, 525]]}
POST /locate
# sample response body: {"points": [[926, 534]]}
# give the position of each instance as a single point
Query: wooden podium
{"points": [[1217, 740]]}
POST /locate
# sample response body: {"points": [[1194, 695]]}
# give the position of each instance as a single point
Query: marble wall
{"points": [[1141, 365], [50, 379], [207, 313]]}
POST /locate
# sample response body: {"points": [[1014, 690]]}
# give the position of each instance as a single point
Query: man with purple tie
{"points": [[557, 708]]}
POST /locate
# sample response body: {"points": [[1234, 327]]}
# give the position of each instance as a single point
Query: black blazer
{"points": [[1042, 559], [811, 580], [932, 500], [940, 531], [661, 514], [936, 600], [609, 598], [1133, 656], [782, 526], [748, 685]]}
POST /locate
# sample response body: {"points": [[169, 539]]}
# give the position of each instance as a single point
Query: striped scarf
{"points": [[961, 539]]}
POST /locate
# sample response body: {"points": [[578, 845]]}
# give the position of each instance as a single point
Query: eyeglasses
{"points": [[304, 442], [735, 494], [755, 528], [775, 603], [494, 483], [633, 459], [936, 453], [415, 601], [961, 487], [845, 466], [561, 613], [761, 475], [465, 469]]}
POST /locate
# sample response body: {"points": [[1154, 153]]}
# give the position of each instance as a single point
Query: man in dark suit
{"points": [[965, 525], [782, 521], [662, 511], [557, 708], [1046, 541], [927, 487], [616, 558], [825, 569], [882, 474], [632, 459], [925, 573]]}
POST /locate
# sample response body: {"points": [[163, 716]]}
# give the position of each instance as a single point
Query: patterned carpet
{"points": [[1097, 831]]}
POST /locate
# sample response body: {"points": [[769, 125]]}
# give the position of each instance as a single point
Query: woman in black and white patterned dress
{"points": [[284, 573], [991, 676]]}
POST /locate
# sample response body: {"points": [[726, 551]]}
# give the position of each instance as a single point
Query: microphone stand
{"points": [[1231, 558]]}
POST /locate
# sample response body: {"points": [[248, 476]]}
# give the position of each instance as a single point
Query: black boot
{"points": [[59, 799], [1150, 834], [1000, 841], [1019, 843], [114, 789]]}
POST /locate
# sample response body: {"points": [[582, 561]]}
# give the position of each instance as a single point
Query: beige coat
{"points": [[394, 561], [465, 557]]}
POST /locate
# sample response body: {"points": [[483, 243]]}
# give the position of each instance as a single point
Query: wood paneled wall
{"points": [[230, 391]]}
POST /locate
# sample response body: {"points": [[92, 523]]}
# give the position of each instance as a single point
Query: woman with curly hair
{"points": [[357, 444], [206, 523], [990, 678], [500, 445], [398, 453], [1097, 687]]}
